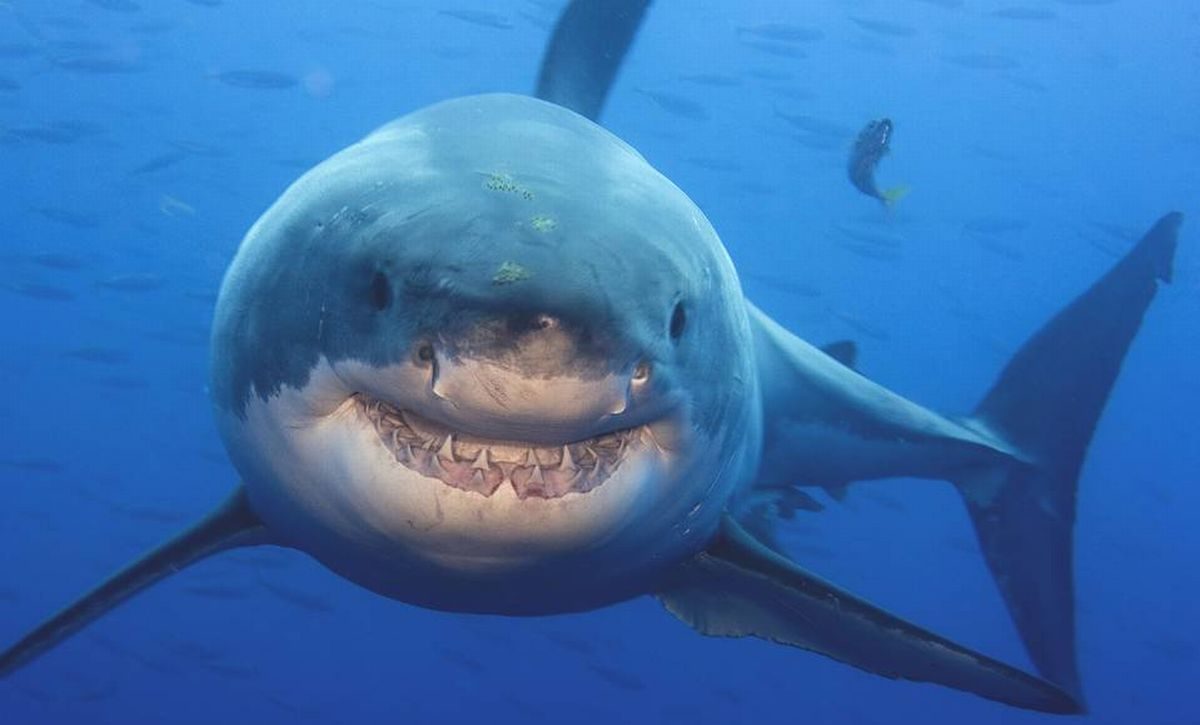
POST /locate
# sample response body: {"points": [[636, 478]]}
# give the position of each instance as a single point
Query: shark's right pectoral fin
{"points": [[739, 588], [233, 524]]}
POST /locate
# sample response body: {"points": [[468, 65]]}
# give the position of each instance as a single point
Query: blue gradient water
{"points": [[130, 168]]}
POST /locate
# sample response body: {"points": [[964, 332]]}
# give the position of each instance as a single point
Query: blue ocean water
{"points": [[1039, 138]]}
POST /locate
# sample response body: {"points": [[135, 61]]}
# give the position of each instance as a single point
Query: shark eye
{"points": [[424, 354], [678, 321], [380, 292]]}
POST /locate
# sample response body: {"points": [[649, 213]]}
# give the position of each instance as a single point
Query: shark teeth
{"points": [[483, 466]]}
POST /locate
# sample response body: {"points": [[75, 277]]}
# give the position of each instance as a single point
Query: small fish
{"points": [[298, 598], [152, 27], [79, 45], [776, 48], [99, 355], [8, 85], [677, 105], [39, 291], [883, 27], [151, 514], [872, 145], [464, 661], [95, 64], [11, 51], [231, 671], [782, 33], [482, 18], [192, 651], [170, 206], [867, 251], [712, 80], [981, 61], [815, 126], [216, 591], [860, 325], [59, 261], [158, 163], [120, 6], [32, 465], [263, 80], [993, 225], [119, 382], [138, 282], [714, 164], [56, 132], [1024, 13], [569, 643], [618, 678], [68, 217]]}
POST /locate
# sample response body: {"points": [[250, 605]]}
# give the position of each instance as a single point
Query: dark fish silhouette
{"points": [[121, 6], [981, 61], [158, 163], [138, 282], [39, 291], [263, 80], [99, 355], [782, 33], [872, 145], [482, 18], [677, 105]]}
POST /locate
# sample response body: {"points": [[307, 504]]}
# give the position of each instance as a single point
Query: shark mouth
{"points": [[482, 465]]}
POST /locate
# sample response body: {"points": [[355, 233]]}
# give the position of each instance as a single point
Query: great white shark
{"points": [[489, 360]]}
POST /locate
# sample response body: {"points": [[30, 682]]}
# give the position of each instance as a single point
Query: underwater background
{"points": [[139, 140]]}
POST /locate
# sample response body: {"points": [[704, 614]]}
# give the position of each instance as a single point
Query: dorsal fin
{"points": [[844, 351], [233, 524], [586, 51]]}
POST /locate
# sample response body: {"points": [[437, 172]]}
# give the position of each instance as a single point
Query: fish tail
{"points": [[1046, 404], [894, 194]]}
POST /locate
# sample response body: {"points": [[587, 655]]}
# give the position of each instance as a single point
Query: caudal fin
{"points": [[1046, 404]]}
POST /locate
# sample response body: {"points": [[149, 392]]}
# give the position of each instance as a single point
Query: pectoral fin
{"points": [[739, 588], [231, 525]]}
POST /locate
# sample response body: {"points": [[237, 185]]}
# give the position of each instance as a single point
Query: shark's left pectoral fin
{"points": [[739, 588], [231, 525]]}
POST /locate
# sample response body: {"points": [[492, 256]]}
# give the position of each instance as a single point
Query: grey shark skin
{"points": [[489, 360], [458, 230]]}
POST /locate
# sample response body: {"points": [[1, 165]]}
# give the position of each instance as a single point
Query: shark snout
{"points": [[537, 377]]}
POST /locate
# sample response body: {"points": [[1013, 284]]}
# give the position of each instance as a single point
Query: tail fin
{"points": [[893, 195], [1046, 404]]}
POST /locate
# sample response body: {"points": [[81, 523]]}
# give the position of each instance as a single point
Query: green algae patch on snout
{"points": [[505, 184], [543, 223], [510, 273]]}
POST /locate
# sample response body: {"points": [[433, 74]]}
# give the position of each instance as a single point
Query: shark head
{"points": [[484, 348]]}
